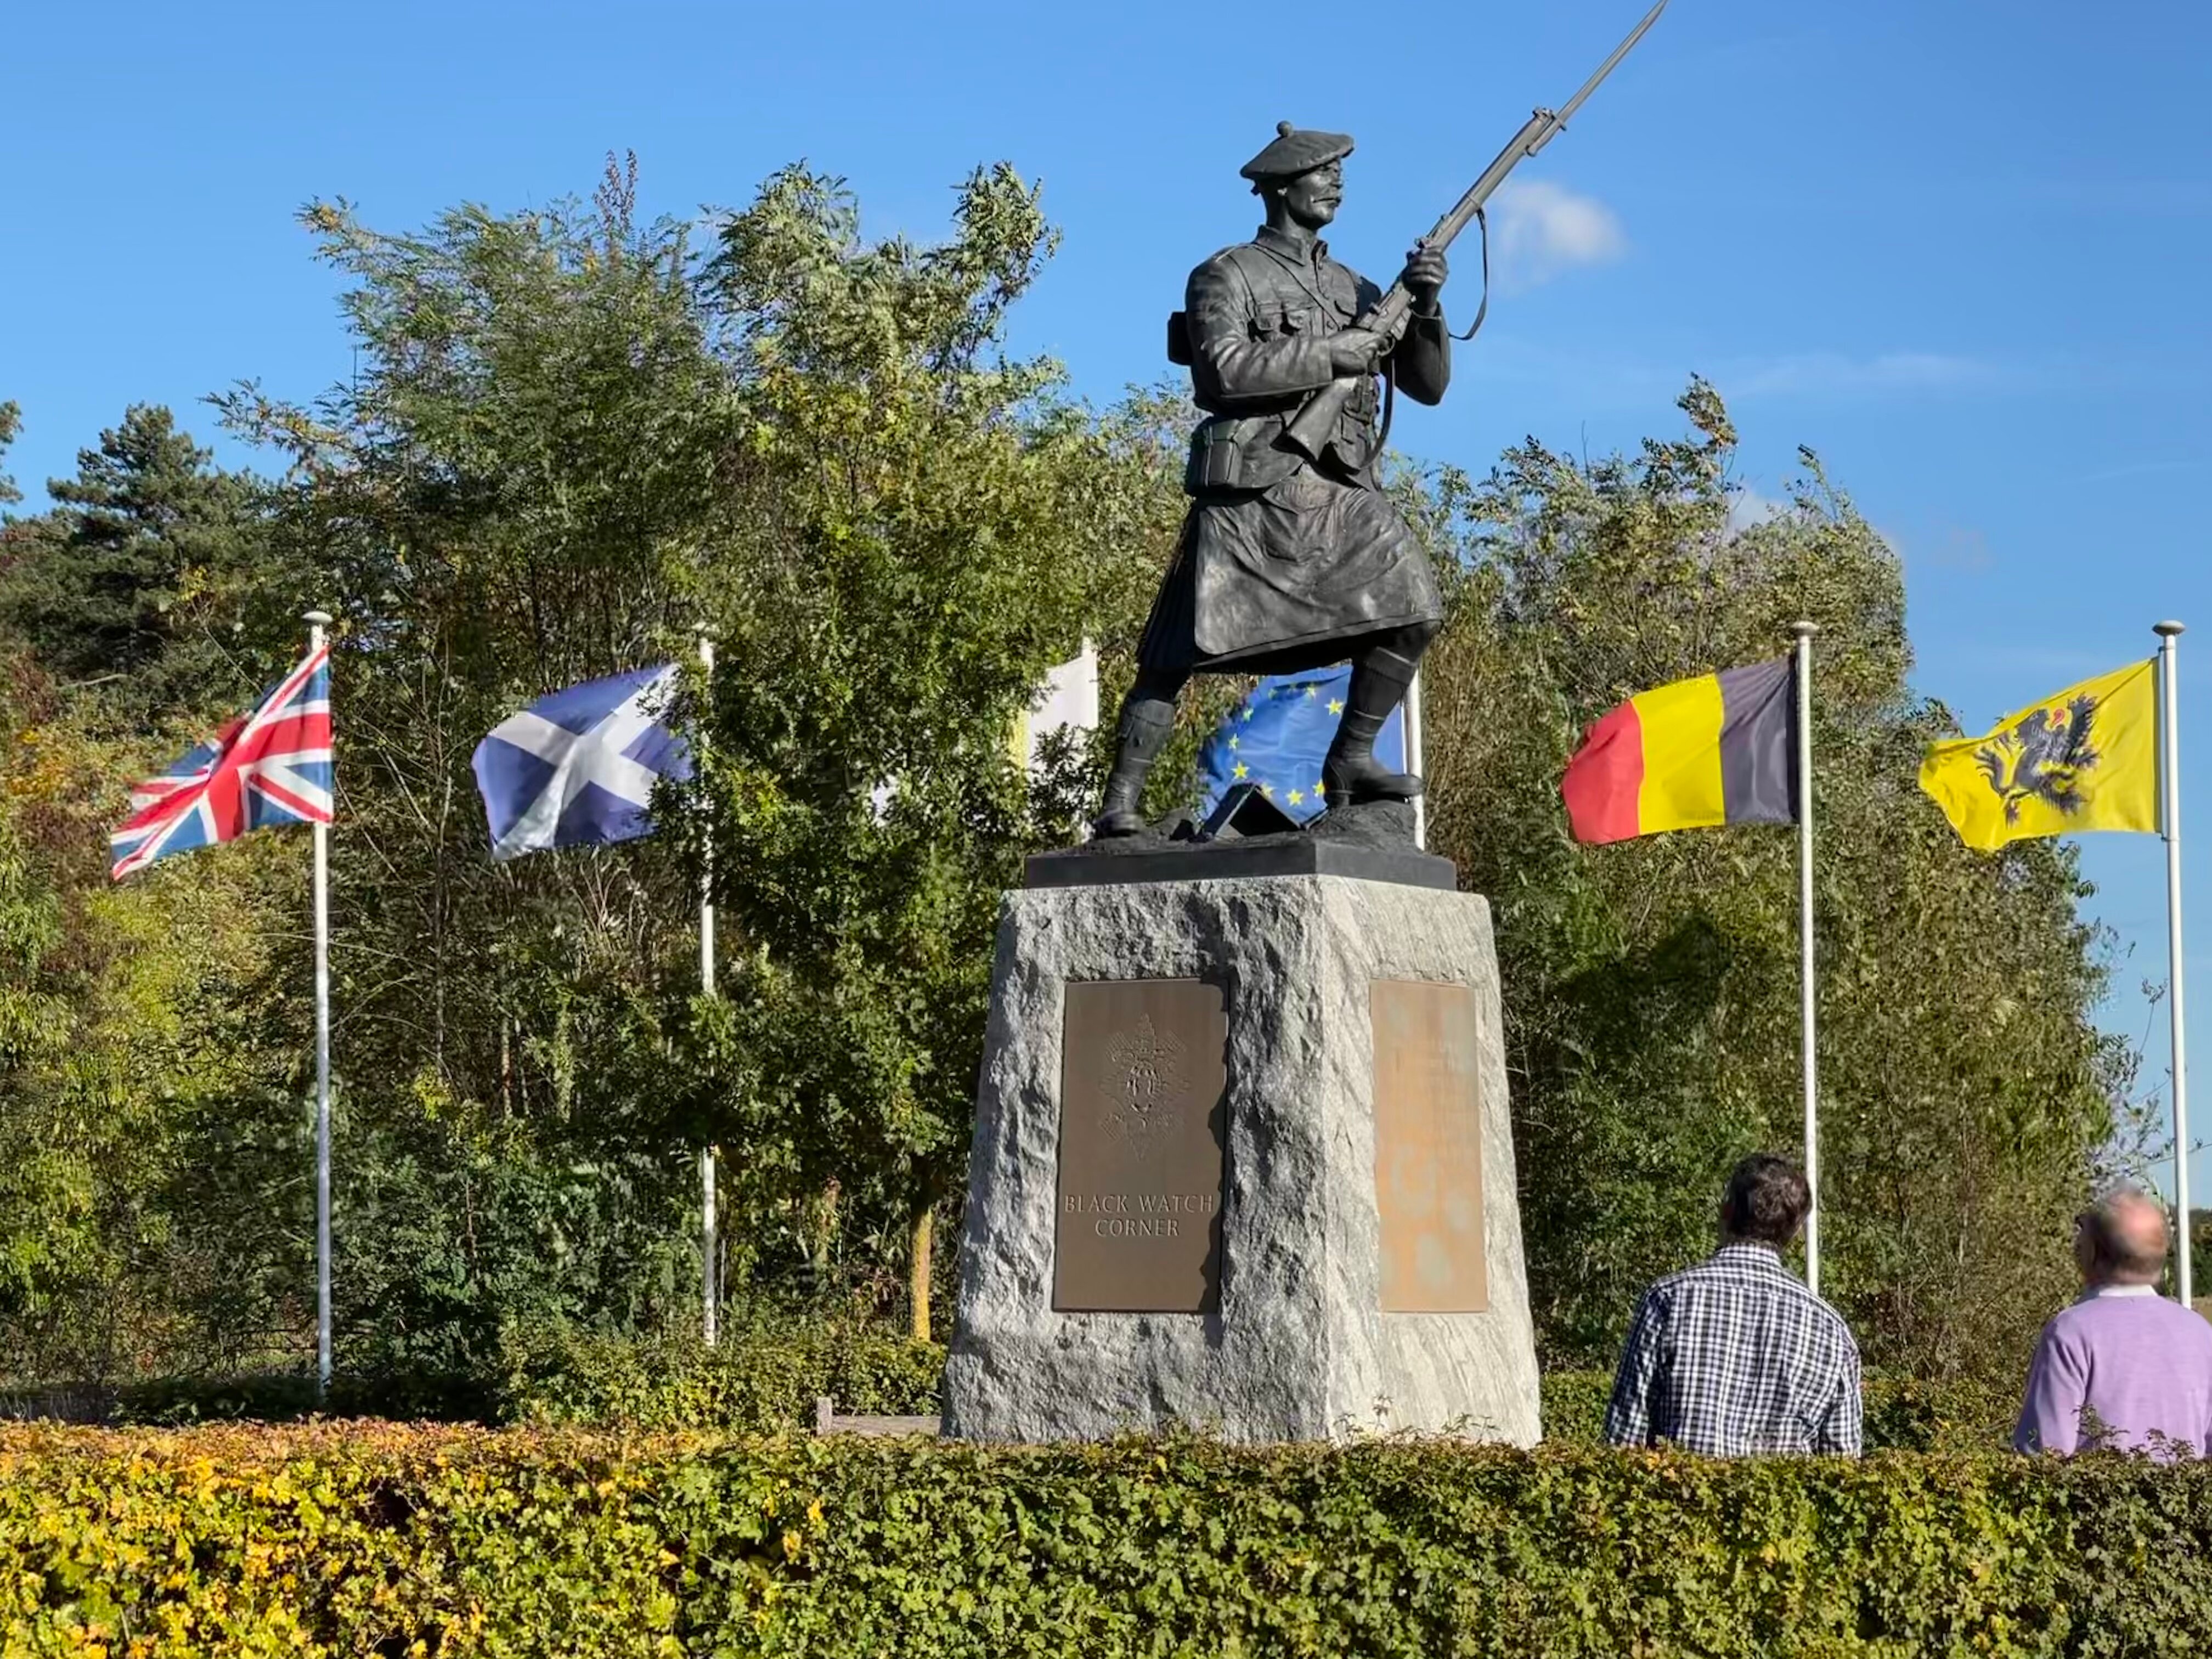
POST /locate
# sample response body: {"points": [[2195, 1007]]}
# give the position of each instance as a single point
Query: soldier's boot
{"points": [[1147, 717], [1350, 773]]}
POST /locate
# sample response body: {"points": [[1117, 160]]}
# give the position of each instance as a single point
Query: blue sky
{"points": [[1959, 249]]}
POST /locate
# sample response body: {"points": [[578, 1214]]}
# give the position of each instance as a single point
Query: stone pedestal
{"points": [[1242, 1162]]}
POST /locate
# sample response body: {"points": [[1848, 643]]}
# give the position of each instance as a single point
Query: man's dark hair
{"points": [[1766, 1200]]}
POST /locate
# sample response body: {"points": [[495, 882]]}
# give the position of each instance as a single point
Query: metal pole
{"points": [[710, 1243], [1805, 631], [2169, 799], [317, 621], [1416, 759]]}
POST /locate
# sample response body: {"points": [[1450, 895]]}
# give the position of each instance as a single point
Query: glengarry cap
{"points": [[1296, 150]]}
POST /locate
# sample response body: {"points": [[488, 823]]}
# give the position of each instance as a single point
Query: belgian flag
{"points": [[1719, 749]]}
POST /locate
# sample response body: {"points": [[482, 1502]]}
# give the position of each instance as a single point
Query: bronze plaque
{"points": [[1143, 1087], [1428, 1148]]}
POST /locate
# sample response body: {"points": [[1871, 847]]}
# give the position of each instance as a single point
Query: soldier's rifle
{"points": [[1316, 423]]}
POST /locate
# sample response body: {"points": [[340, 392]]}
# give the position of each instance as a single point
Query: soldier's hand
{"points": [[1356, 351], [1424, 275]]}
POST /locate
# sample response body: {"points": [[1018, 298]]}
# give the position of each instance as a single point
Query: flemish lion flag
{"points": [[2083, 758], [1719, 749]]}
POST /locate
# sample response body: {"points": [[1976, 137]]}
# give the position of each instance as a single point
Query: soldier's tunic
{"points": [[1283, 560]]}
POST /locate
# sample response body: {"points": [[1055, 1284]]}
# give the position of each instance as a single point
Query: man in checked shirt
{"points": [[1735, 1356]]}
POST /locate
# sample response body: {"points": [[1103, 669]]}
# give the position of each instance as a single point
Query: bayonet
{"points": [[1567, 113], [1315, 423]]}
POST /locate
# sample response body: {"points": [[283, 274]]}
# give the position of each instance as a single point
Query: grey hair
{"points": [[2115, 1246]]}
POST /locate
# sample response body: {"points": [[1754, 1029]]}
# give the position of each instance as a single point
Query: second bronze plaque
{"points": [[1428, 1148], [1143, 1095]]}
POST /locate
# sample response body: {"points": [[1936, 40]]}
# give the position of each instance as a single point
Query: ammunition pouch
{"points": [[1217, 458], [1239, 452]]}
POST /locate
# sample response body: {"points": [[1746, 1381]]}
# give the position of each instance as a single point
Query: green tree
{"points": [[925, 528], [122, 1022], [143, 579], [570, 440], [514, 493], [12, 427], [573, 437], [1651, 987]]}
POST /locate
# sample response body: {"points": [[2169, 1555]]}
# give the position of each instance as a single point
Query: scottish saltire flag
{"points": [[1277, 736], [577, 769], [272, 768]]}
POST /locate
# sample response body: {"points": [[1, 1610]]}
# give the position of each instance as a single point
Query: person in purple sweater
{"points": [[2122, 1368]]}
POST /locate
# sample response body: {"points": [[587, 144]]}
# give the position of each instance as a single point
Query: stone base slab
{"points": [[1296, 1345]]}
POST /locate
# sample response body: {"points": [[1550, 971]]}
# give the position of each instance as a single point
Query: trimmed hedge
{"points": [[766, 1378], [350, 1540], [287, 1396], [761, 1378], [1902, 1413], [757, 1380]]}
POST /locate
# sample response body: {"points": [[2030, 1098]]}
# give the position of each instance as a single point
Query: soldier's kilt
{"points": [[1276, 581]]}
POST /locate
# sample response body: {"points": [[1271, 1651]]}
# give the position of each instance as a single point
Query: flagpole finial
{"points": [[2167, 630], [1804, 630], [318, 618]]}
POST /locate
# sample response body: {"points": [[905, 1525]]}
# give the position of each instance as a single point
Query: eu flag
{"points": [[1277, 736]]}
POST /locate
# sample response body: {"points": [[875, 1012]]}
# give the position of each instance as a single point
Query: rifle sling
{"points": [[1482, 224], [1389, 370]]}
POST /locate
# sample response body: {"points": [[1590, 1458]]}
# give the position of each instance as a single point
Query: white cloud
{"points": [[1746, 507], [1538, 229], [1829, 374]]}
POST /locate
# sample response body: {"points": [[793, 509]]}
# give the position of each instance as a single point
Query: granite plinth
{"points": [[1256, 859], [1373, 841], [1294, 1342]]}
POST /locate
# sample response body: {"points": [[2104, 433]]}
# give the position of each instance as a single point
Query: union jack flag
{"points": [[271, 768]]}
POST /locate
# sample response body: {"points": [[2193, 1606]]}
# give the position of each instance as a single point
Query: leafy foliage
{"points": [[924, 530], [1901, 1413], [1651, 988], [762, 1377], [120, 1027], [350, 1539], [11, 426], [144, 577], [575, 435], [571, 440]]}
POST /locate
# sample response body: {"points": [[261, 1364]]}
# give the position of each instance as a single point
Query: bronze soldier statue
{"points": [[1290, 558]]}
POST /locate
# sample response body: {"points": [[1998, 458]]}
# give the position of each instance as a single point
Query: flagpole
{"points": [[1805, 631], [2169, 800], [1416, 757], [317, 621], [709, 1244]]}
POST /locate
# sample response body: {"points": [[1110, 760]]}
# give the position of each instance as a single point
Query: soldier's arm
{"points": [[1422, 359], [1237, 355]]}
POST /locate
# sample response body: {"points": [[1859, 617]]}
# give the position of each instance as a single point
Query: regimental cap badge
{"points": [[1296, 150], [1147, 1084]]}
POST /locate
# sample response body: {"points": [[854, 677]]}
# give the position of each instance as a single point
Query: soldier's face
{"points": [[1311, 198]]}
